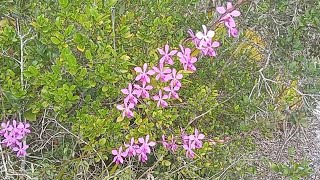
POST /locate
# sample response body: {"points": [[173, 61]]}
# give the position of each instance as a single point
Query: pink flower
{"points": [[175, 77], [6, 128], [172, 146], [186, 60], [193, 37], [208, 48], [131, 148], [196, 139], [144, 148], [188, 147], [172, 91], [232, 30], [119, 155], [130, 95], [161, 99], [166, 55], [161, 72], [23, 128], [143, 91], [21, 149], [222, 10], [126, 110], [143, 74]]}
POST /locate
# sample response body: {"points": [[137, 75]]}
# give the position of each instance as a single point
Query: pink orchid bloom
{"points": [[142, 157], [21, 149], [221, 10], [143, 74], [23, 128], [126, 110], [186, 59], [175, 77], [208, 48], [161, 99], [130, 95], [205, 35], [193, 38], [145, 145], [6, 128], [196, 139], [172, 91], [232, 30], [143, 91], [172, 146], [166, 55], [131, 148], [188, 147], [119, 155], [161, 72]]}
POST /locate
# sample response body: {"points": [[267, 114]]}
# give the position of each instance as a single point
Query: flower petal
{"points": [[221, 10]]}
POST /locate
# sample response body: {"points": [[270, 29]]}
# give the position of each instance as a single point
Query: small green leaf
{"points": [[64, 3], [30, 116], [102, 141], [55, 40], [105, 88]]}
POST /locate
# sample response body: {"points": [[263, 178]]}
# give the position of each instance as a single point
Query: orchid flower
{"points": [[172, 91], [186, 59], [130, 95], [126, 110], [21, 149], [205, 35], [175, 77], [142, 91], [145, 145], [172, 146], [234, 13], [161, 72], [196, 138], [166, 55], [119, 155], [189, 152], [6, 128], [143, 74], [23, 128], [131, 148], [208, 48], [161, 99]]}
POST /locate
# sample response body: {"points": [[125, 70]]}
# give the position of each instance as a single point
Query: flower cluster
{"points": [[141, 149], [171, 77], [13, 134]]}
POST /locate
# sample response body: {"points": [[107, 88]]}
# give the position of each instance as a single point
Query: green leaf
{"points": [[30, 116], [105, 88], [55, 40], [64, 3], [102, 141]]}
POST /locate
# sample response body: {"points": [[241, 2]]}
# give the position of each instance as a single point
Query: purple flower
{"points": [[188, 147], [119, 155], [144, 149], [196, 139], [232, 30], [161, 99], [172, 91], [166, 55], [143, 74], [161, 72], [186, 60], [172, 146], [21, 149], [23, 128], [131, 148], [142, 91], [126, 110], [208, 48], [130, 95], [222, 10], [6, 128], [175, 77]]}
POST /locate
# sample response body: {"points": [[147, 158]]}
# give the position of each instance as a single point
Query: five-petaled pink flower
{"points": [[172, 146], [196, 139], [21, 149], [166, 55], [23, 128], [172, 91], [143, 74], [144, 149], [162, 72], [143, 91], [223, 10], [186, 59], [161, 99], [175, 77], [130, 95], [126, 110], [6, 128], [208, 48], [119, 155], [189, 152], [131, 148]]}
